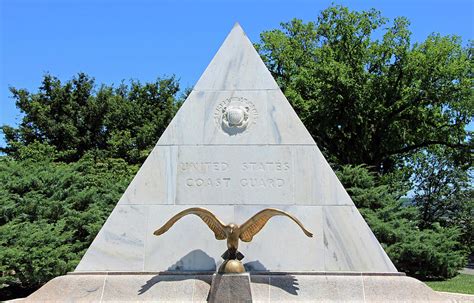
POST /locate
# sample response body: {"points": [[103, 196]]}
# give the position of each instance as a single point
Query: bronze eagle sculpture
{"points": [[232, 232]]}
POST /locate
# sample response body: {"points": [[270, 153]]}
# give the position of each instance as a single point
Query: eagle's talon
{"points": [[230, 255]]}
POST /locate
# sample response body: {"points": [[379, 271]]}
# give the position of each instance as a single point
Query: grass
{"points": [[462, 283]]}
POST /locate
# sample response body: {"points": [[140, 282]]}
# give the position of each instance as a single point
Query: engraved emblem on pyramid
{"points": [[235, 147]]}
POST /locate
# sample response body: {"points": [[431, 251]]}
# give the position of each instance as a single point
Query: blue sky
{"points": [[121, 40]]}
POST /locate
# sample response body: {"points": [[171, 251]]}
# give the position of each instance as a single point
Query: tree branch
{"points": [[425, 144]]}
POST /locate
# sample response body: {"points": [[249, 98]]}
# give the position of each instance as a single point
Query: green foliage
{"points": [[460, 284], [429, 253], [73, 117], [444, 192], [33, 253], [433, 253], [398, 108], [50, 212], [372, 101]]}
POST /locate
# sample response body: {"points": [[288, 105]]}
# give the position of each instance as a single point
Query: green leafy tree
{"points": [[372, 101], [67, 164], [76, 117], [429, 253], [369, 96], [444, 192]]}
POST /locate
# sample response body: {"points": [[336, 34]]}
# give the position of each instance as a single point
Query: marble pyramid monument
{"points": [[235, 147]]}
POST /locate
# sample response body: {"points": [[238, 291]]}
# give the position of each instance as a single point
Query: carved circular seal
{"points": [[235, 115]]}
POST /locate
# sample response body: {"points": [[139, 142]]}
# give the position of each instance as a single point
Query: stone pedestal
{"points": [[263, 287], [230, 288]]}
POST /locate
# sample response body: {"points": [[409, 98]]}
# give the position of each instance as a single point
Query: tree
{"points": [[66, 166], [51, 211], [124, 122], [370, 97], [372, 101], [429, 253], [444, 192]]}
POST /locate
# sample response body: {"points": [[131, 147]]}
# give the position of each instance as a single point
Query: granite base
{"points": [[230, 288], [264, 287]]}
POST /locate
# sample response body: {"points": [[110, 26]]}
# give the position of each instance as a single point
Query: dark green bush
{"points": [[50, 212], [430, 253]]}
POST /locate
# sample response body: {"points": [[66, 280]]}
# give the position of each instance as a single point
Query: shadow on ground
{"points": [[260, 274], [198, 261]]}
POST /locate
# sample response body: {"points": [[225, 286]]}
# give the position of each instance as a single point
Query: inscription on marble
{"points": [[251, 172], [244, 175], [235, 115], [202, 167]]}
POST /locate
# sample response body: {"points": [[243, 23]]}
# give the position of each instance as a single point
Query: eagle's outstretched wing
{"points": [[258, 221], [209, 218]]}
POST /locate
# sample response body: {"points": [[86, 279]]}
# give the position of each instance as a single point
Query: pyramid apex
{"points": [[236, 77], [237, 30], [236, 66], [237, 24]]}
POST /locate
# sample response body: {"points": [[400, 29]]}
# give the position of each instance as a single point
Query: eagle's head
{"points": [[232, 228]]}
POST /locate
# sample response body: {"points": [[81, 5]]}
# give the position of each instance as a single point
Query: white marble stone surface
{"points": [[155, 182], [315, 181], [236, 66], [231, 175], [341, 241], [120, 244], [235, 175], [349, 244], [187, 126], [274, 121], [271, 162], [189, 245], [281, 245]]}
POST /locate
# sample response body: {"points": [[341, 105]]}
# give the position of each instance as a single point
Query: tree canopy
{"points": [[369, 100], [371, 97], [76, 117]]}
